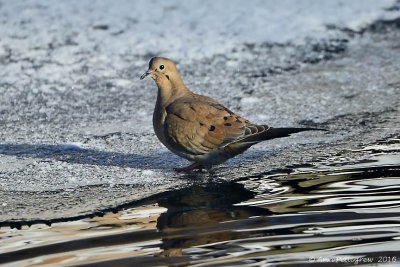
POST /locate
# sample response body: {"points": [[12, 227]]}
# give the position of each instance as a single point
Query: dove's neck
{"points": [[170, 90]]}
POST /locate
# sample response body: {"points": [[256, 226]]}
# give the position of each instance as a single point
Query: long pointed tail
{"points": [[272, 133]]}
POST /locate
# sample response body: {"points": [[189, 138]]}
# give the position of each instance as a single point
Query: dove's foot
{"points": [[191, 167]]}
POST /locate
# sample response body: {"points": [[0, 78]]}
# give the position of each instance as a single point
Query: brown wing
{"points": [[198, 126]]}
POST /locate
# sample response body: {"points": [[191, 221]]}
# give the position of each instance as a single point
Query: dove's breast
{"points": [[158, 124]]}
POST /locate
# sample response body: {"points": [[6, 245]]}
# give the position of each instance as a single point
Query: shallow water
{"points": [[344, 213]]}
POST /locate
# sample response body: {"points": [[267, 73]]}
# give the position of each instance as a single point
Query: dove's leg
{"points": [[191, 167]]}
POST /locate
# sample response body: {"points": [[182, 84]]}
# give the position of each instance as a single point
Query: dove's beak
{"points": [[146, 74]]}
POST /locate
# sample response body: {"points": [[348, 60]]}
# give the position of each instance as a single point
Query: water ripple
{"points": [[348, 214]]}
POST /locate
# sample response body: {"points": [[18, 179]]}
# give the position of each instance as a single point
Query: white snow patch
{"points": [[122, 82], [392, 147], [262, 117], [148, 172], [249, 101]]}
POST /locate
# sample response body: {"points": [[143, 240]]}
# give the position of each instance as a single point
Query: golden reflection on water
{"points": [[128, 221], [194, 215]]}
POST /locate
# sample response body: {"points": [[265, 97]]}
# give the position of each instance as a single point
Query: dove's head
{"points": [[163, 71], [162, 68]]}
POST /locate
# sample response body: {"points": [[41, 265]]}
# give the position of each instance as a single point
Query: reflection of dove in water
{"points": [[199, 128]]}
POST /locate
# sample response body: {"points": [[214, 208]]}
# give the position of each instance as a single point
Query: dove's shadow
{"points": [[77, 155]]}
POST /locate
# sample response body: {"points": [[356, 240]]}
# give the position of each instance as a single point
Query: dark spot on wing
{"points": [[228, 124], [225, 118], [212, 128], [201, 124], [180, 117]]}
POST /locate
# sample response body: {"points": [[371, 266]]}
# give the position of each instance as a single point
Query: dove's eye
{"points": [[161, 67]]}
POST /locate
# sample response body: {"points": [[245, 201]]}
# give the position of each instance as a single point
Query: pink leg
{"points": [[191, 167]]}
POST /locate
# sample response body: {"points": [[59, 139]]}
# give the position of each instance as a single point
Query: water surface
{"points": [[345, 213]]}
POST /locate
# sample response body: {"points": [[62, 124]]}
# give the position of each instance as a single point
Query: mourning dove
{"points": [[197, 127]]}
